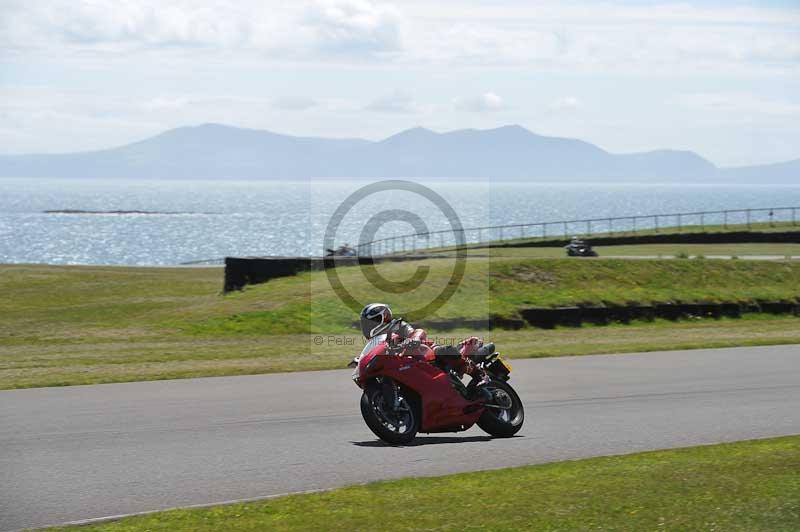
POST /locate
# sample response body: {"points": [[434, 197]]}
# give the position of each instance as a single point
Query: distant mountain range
{"points": [[213, 151]]}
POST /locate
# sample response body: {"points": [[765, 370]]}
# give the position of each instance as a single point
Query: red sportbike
{"points": [[405, 392]]}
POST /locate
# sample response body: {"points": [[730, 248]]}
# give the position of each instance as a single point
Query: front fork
{"points": [[391, 395]]}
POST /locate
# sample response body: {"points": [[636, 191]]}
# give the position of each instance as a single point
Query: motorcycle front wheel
{"points": [[397, 427], [505, 421]]}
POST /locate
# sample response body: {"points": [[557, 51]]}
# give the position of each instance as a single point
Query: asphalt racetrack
{"points": [[85, 452]]}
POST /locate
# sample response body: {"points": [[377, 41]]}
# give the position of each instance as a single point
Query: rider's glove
{"points": [[411, 344]]}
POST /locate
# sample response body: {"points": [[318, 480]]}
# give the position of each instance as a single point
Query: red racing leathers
{"points": [[456, 358]]}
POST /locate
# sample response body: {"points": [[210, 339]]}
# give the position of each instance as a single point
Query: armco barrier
{"points": [[495, 322], [242, 271], [551, 317], [547, 318]]}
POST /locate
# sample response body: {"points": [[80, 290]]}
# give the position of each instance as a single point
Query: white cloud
{"points": [[566, 103], [347, 26], [294, 103], [485, 103], [663, 39], [280, 30], [114, 25], [738, 103], [161, 104], [398, 102]]}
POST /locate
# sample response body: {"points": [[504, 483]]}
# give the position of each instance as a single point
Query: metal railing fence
{"points": [[605, 226]]}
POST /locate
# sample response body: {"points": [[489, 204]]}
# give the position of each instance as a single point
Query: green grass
{"points": [[85, 325], [747, 486], [101, 361], [500, 286]]}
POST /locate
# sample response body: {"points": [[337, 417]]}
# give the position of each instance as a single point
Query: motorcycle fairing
{"points": [[443, 408]]}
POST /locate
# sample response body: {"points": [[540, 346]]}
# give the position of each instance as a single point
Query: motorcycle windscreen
{"points": [[372, 344]]}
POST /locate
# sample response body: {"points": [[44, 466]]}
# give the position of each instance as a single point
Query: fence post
{"points": [[793, 217], [655, 222], [566, 231], [702, 222], [679, 223], [725, 224], [544, 230], [748, 219], [610, 225], [588, 228], [634, 225]]}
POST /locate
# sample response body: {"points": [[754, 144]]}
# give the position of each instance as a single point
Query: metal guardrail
{"points": [[210, 262], [618, 225]]}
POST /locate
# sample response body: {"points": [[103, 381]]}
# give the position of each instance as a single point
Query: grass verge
{"points": [[87, 325], [751, 485], [105, 361]]}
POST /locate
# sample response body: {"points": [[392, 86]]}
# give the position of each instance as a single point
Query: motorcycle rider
{"points": [[377, 318]]}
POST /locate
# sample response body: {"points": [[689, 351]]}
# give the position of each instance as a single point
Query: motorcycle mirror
{"points": [[352, 364]]}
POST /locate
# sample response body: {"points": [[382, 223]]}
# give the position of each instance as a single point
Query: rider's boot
{"points": [[481, 379]]}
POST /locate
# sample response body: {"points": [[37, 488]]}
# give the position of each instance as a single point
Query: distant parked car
{"points": [[579, 248]]}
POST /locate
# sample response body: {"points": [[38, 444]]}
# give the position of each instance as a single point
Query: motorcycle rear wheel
{"points": [[395, 427], [502, 423]]}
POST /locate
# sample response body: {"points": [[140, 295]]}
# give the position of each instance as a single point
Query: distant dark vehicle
{"points": [[579, 248], [341, 251]]}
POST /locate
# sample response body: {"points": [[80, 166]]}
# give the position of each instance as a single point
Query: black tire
{"points": [[502, 423], [387, 426]]}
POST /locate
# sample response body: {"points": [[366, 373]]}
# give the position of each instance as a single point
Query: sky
{"points": [[721, 78]]}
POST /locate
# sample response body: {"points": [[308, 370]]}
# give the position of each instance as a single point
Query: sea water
{"points": [[195, 220]]}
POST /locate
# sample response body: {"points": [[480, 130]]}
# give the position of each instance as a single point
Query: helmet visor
{"points": [[371, 326]]}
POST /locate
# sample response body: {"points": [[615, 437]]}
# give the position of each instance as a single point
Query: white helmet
{"points": [[375, 319]]}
